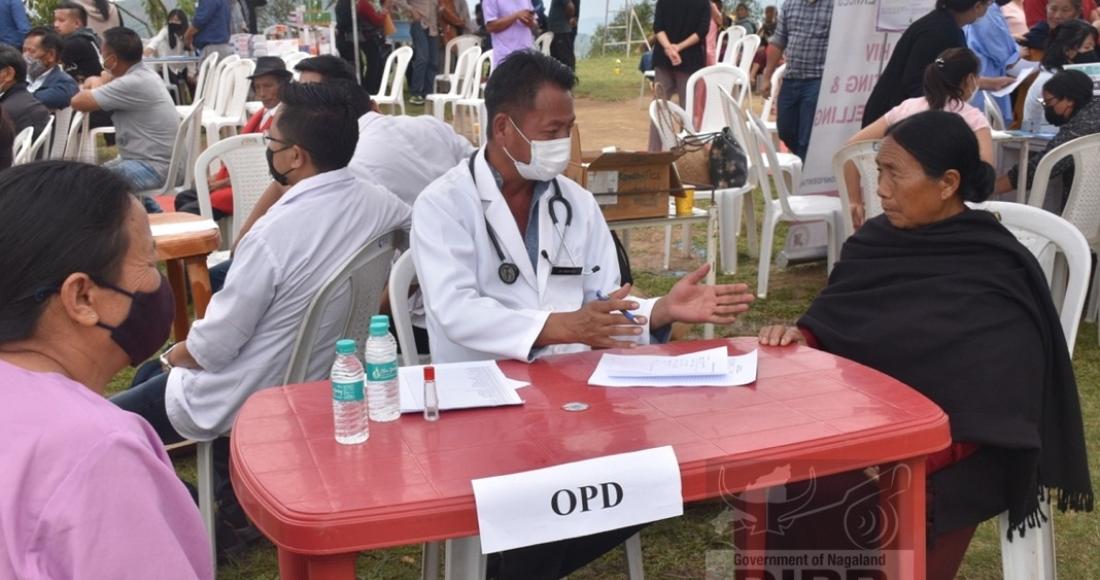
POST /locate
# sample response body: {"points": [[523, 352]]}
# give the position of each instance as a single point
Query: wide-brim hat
{"points": [[270, 65]]}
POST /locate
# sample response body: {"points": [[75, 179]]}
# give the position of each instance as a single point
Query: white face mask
{"points": [[548, 158]]}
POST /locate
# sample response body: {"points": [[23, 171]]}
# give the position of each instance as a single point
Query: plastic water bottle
{"points": [[382, 393], [349, 409]]}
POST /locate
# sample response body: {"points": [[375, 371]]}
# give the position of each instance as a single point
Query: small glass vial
{"points": [[431, 397]]}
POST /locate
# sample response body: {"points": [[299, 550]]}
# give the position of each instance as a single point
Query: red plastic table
{"points": [[809, 413]]}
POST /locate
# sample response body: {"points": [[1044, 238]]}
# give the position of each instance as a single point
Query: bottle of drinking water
{"points": [[349, 409], [382, 392]]}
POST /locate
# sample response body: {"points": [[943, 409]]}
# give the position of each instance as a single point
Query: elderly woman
{"points": [[944, 299], [1068, 104], [86, 489]]}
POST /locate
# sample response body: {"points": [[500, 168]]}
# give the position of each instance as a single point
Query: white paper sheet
{"points": [[1025, 73], [1021, 67], [183, 228], [577, 499], [705, 363], [742, 371], [467, 385]]}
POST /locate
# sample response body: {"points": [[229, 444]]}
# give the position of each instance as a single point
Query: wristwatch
{"points": [[164, 364]]}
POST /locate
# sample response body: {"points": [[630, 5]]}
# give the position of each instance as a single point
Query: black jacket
{"points": [[24, 110], [80, 55]]}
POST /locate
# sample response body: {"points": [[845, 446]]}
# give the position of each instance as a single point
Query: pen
{"points": [[601, 296]]}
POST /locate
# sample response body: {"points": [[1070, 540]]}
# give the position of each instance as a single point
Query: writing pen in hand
{"points": [[601, 296]]}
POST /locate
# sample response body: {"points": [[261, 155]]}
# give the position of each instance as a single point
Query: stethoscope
{"points": [[509, 271]]}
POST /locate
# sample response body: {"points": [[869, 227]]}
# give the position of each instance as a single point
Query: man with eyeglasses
{"points": [[247, 337]]}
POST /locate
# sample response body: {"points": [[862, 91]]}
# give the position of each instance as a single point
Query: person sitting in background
{"points": [[87, 490], [80, 52], [949, 83], [1059, 12], [1069, 104], [24, 110], [940, 283], [51, 85], [169, 42], [196, 388], [1035, 11], [13, 22], [990, 39], [1072, 43], [1015, 17], [744, 19], [144, 117], [7, 139], [268, 80]]}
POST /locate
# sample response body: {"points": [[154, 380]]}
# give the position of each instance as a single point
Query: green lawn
{"points": [[677, 548]]}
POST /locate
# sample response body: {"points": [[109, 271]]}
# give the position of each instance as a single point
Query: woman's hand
{"points": [[781, 335]]}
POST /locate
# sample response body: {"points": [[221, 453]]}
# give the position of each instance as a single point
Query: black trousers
{"points": [[561, 48], [556, 559], [372, 47]]}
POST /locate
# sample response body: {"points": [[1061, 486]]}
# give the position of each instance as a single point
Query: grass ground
{"points": [[677, 548]]}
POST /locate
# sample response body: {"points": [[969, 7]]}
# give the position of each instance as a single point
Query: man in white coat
{"points": [[516, 261]]}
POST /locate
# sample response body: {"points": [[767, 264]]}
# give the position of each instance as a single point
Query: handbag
{"points": [[709, 160]]}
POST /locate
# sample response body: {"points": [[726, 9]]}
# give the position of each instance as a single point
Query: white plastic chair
{"points": [[367, 272], [204, 84], [454, 49], [293, 58], [59, 135], [785, 207], [746, 51], [543, 42], [402, 277], [393, 79], [29, 154], [993, 112], [734, 34], [1032, 557], [718, 79], [862, 154], [773, 94], [21, 144], [244, 158], [229, 114], [459, 79], [472, 103], [71, 144], [186, 145]]}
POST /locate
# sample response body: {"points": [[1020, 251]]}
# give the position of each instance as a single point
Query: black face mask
{"points": [[175, 28], [1052, 117], [148, 323], [280, 178], [1086, 57]]}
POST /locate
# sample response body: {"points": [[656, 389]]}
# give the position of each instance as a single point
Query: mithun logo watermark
{"points": [[800, 565]]}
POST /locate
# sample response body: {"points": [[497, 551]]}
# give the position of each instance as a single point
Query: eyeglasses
{"points": [[1044, 103], [268, 139]]}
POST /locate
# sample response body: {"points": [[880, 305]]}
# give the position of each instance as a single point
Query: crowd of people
{"points": [[514, 261]]}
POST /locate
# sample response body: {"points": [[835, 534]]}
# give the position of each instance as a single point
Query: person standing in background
{"points": [[990, 39], [14, 24], [209, 31], [372, 19], [802, 38], [425, 39], [1015, 18], [511, 24], [102, 15], [562, 20], [681, 27], [712, 33]]}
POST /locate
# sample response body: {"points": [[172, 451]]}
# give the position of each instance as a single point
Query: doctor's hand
{"points": [[596, 324], [694, 302]]}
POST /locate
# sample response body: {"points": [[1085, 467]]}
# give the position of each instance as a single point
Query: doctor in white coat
{"points": [[513, 258], [516, 261]]}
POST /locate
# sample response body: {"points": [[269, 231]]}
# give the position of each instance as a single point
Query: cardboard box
{"points": [[632, 185]]}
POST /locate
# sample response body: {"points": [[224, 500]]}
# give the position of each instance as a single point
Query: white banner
{"points": [[577, 499]]}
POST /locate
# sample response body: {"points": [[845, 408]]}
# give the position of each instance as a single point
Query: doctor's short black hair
{"points": [[322, 118], [329, 66], [515, 82]]}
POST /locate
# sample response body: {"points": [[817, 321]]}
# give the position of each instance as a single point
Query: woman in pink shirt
{"points": [[86, 490], [949, 84]]}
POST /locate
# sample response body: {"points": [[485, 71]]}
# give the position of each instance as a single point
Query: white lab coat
{"points": [[472, 314]]}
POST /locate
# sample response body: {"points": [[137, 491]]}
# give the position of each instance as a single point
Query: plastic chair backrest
{"points": [[463, 71], [993, 112], [455, 47], [187, 136], [244, 157], [734, 36], [402, 276], [1083, 199], [746, 49], [22, 142], [722, 45], [393, 75], [670, 136], [762, 147], [63, 120], [543, 42], [863, 155], [773, 94], [31, 153], [473, 88], [71, 149], [717, 79], [361, 279], [206, 71], [217, 92], [234, 106]]}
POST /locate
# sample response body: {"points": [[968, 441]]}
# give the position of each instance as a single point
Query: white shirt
{"points": [[1035, 120], [269, 113], [405, 154], [245, 341], [472, 314]]}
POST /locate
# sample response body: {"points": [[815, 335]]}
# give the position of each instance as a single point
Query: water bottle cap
{"points": [[379, 328], [345, 346], [380, 319], [429, 373]]}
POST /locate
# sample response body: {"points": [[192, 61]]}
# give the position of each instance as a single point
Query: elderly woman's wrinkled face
{"points": [[910, 198]]}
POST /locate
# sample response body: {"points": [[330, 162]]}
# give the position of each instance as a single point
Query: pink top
{"points": [[86, 490], [909, 107]]}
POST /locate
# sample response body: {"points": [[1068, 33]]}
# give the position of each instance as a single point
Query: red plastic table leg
{"points": [[907, 495], [336, 567], [292, 566]]}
